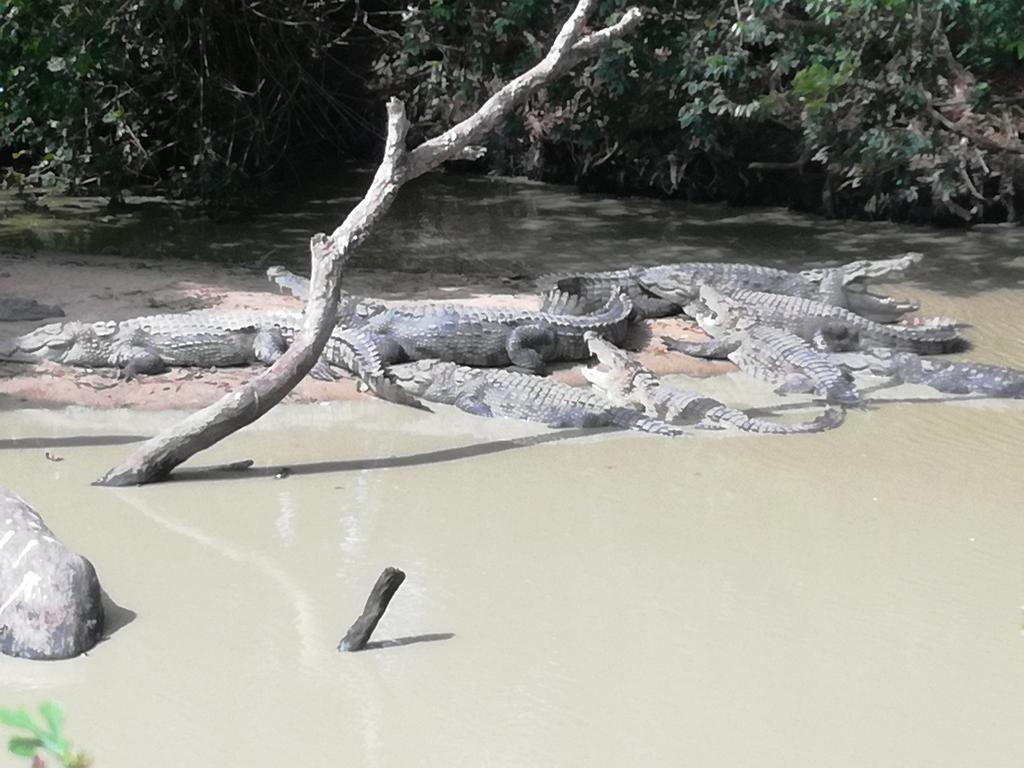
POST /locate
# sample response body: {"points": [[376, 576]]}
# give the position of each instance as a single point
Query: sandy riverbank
{"points": [[115, 287]]}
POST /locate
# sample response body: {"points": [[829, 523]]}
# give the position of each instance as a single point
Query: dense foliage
{"points": [[194, 98], [877, 108]]}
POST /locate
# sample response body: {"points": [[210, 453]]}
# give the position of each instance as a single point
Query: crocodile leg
{"points": [[715, 349], [833, 338], [473, 405], [141, 361], [796, 384], [268, 345]]}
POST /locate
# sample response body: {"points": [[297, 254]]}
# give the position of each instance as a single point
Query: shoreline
{"points": [[101, 287]]}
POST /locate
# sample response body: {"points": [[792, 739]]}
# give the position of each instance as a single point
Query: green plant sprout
{"points": [[48, 737]]}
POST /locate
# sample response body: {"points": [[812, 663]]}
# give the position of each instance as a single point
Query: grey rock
{"points": [[50, 600]]}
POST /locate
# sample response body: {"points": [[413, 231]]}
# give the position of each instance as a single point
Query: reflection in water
{"points": [[489, 227], [310, 636], [285, 520], [17, 443]]}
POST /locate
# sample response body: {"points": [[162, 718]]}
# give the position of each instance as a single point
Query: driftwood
{"points": [[358, 634], [155, 459]]}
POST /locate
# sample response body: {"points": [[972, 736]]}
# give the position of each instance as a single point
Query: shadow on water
{"points": [[115, 617], [204, 474], [68, 441], [411, 640]]}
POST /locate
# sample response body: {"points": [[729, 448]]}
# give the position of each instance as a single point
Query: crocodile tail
{"points": [[562, 302], [632, 419], [615, 310], [356, 351], [582, 293], [830, 418], [928, 341]]}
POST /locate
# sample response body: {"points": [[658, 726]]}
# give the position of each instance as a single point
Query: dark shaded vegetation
{"points": [[901, 109], [188, 98], [894, 109]]}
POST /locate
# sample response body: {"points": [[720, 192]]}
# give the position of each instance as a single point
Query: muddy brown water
{"points": [[846, 599]]}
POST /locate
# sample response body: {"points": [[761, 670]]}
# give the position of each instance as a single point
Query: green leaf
{"points": [[813, 82], [23, 746], [53, 715], [17, 718]]}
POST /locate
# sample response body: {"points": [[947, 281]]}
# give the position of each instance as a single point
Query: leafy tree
{"points": [[880, 108]]}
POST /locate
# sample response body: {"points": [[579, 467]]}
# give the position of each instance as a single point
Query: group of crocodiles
{"points": [[804, 331]]}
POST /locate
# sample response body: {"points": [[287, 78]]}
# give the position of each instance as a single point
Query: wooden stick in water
{"points": [[359, 633]]}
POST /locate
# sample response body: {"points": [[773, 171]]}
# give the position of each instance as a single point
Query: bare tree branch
{"points": [[567, 50], [156, 458], [974, 137]]}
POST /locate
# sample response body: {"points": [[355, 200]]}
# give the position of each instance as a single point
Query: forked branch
{"points": [[156, 458]]}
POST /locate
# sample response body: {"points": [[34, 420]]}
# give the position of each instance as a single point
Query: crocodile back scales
{"points": [[682, 282], [774, 354], [518, 395]]}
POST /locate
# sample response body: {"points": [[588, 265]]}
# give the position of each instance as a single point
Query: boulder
{"points": [[50, 605]]}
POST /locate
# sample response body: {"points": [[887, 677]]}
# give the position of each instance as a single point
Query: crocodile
{"points": [[957, 378], [624, 381], [668, 288], [472, 335], [153, 343], [829, 327], [845, 286], [511, 394], [778, 357], [492, 337]]}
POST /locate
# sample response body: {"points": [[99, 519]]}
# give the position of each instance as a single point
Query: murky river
{"points": [[848, 599]]}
